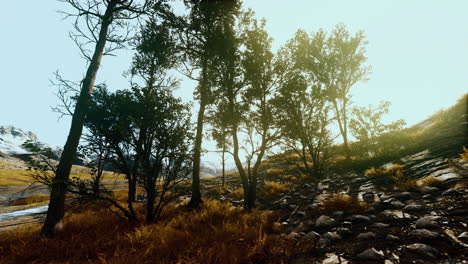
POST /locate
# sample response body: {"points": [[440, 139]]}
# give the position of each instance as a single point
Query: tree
{"points": [[220, 133], [303, 111], [344, 60], [199, 37], [104, 21], [248, 102], [368, 128]]}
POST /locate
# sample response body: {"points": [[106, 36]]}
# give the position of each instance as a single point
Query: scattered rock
{"points": [[332, 236], [371, 255], [368, 197], [463, 236], [300, 228], [414, 208], [346, 224], [423, 250], [323, 243], [427, 190], [403, 195], [324, 222], [397, 204], [452, 192], [300, 214], [311, 237], [367, 236], [380, 225], [338, 214], [392, 238], [427, 222], [294, 236], [424, 234], [360, 219], [344, 232]]}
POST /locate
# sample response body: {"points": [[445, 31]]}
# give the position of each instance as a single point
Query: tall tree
{"points": [[106, 22], [345, 68], [247, 82], [199, 38]]}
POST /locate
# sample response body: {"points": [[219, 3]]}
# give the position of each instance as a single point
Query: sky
{"points": [[418, 51]]}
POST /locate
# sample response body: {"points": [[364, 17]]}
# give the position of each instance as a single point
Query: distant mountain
{"points": [[11, 139]]}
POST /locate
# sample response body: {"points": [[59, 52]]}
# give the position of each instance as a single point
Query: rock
{"points": [[392, 238], [323, 243], [324, 222], [300, 228], [423, 250], [332, 236], [338, 214], [427, 222], [384, 197], [368, 197], [367, 236], [397, 204], [380, 225], [360, 219], [294, 236], [344, 232], [427, 190], [403, 195], [371, 255], [452, 192], [424, 234], [300, 214], [292, 206], [463, 236], [414, 208], [346, 224], [311, 237], [427, 196]]}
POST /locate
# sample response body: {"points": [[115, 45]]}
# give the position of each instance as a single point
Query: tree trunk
{"points": [[224, 161], [54, 220], [151, 198], [196, 200]]}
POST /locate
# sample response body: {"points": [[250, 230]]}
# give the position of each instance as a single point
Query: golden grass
{"points": [[464, 155], [429, 181], [272, 189], [215, 191], [237, 194], [374, 172], [33, 199], [342, 202], [217, 233]]}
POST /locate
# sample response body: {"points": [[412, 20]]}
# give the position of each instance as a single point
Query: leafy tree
{"points": [[368, 128], [107, 24], [247, 102], [200, 35], [344, 61]]}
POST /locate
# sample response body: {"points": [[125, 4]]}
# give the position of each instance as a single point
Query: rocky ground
{"points": [[428, 225]]}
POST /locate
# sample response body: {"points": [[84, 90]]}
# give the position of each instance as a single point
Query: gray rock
{"points": [[424, 234], [338, 214], [371, 255], [392, 238], [368, 197], [414, 208], [463, 236], [311, 237], [360, 219], [427, 196], [397, 204], [367, 236], [380, 225], [324, 222], [300, 227], [427, 190], [323, 243], [427, 222], [403, 195], [347, 224], [423, 250], [300, 213], [344, 232], [294, 236], [332, 236], [452, 192]]}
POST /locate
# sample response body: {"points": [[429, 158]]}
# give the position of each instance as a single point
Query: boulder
{"points": [[360, 219], [428, 222], [392, 238], [424, 234], [367, 236], [332, 236], [371, 255], [311, 237], [324, 222], [380, 225], [423, 250], [414, 208]]}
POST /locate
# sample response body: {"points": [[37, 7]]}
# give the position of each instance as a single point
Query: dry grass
{"points": [[342, 202], [33, 199], [237, 194], [217, 233], [215, 191], [464, 155], [271, 189], [374, 172], [430, 181]]}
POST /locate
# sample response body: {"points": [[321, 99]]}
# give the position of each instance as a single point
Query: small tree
{"points": [[368, 128]]}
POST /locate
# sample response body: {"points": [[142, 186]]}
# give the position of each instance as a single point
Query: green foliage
{"points": [[368, 128]]}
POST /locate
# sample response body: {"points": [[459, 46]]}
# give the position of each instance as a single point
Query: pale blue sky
{"points": [[418, 51]]}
